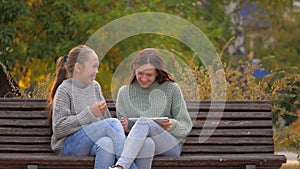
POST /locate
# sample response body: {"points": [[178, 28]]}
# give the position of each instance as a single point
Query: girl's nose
{"points": [[144, 78]]}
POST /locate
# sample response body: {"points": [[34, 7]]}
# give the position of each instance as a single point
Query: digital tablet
{"points": [[152, 118]]}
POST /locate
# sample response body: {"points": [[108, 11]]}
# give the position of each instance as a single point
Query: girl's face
{"points": [[88, 70], [145, 75]]}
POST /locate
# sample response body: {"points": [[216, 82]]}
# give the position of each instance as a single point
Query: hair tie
{"points": [[65, 58]]}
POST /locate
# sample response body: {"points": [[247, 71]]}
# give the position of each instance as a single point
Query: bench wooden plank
{"points": [[199, 124], [231, 141], [235, 132], [234, 124], [230, 105], [184, 161], [226, 149], [25, 131], [220, 161], [24, 122], [10, 114], [24, 140], [30, 100], [25, 148], [192, 105], [23, 105], [49, 159], [212, 141], [234, 115]]}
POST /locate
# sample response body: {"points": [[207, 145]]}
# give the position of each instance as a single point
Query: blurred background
{"points": [[258, 42]]}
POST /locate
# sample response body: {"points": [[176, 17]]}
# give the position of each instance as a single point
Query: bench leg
{"points": [[250, 166], [32, 167]]}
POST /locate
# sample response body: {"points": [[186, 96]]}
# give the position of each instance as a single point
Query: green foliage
{"points": [[288, 138], [44, 30], [10, 12]]}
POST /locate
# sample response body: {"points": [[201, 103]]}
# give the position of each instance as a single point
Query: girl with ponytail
{"points": [[81, 122]]}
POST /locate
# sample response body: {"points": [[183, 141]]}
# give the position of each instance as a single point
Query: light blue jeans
{"points": [[145, 140], [103, 139]]}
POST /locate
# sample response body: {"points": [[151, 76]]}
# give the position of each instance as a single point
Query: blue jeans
{"points": [[103, 139], [146, 139]]}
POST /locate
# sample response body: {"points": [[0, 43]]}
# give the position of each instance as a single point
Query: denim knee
{"points": [[113, 120], [105, 143], [148, 149], [115, 124]]}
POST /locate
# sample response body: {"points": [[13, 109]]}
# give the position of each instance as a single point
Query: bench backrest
{"points": [[242, 127]]}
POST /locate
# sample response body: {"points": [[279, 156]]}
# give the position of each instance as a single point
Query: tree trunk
{"points": [[237, 47]]}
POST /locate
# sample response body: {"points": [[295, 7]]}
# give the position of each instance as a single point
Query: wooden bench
{"points": [[242, 139]]}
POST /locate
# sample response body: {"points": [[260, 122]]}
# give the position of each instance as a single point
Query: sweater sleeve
{"points": [[64, 121], [99, 91], [120, 106], [181, 118]]}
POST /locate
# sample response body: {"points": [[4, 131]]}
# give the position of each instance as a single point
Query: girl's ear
{"points": [[77, 67]]}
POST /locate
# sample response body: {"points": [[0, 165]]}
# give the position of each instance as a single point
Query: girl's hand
{"points": [[98, 108], [166, 124], [124, 123]]}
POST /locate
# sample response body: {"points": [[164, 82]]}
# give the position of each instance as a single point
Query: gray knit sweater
{"points": [[71, 109], [157, 100]]}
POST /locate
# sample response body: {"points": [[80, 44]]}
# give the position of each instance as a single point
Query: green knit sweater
{"points": [[71, 109], [158, 100]]}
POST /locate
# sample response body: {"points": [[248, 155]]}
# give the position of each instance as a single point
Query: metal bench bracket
{"points": [[250, 166], [32, 167]]}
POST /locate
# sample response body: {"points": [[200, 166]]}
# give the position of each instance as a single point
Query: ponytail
{"points": [[60, 76]]}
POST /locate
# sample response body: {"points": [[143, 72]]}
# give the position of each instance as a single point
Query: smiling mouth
{"points": [[145, 84]]}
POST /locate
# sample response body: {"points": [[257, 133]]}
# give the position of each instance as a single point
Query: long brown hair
{"points": [[151, 56], [64, 69]]}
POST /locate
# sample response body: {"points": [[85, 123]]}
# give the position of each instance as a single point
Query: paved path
{"points": [[291, 157]]}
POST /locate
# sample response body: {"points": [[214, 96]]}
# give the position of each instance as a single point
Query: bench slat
{"points": [[224, 149], [25, 131], [197, 124], [235, 132], [25, 148], [22, 114], [230, 106], [221, 160], [30, 100], [231, 141], [46, 159], [24, 140], [232, 115], [202, 161], [24, 123], [23, 105], [189, 140], [193, 105], [234, 124]]}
